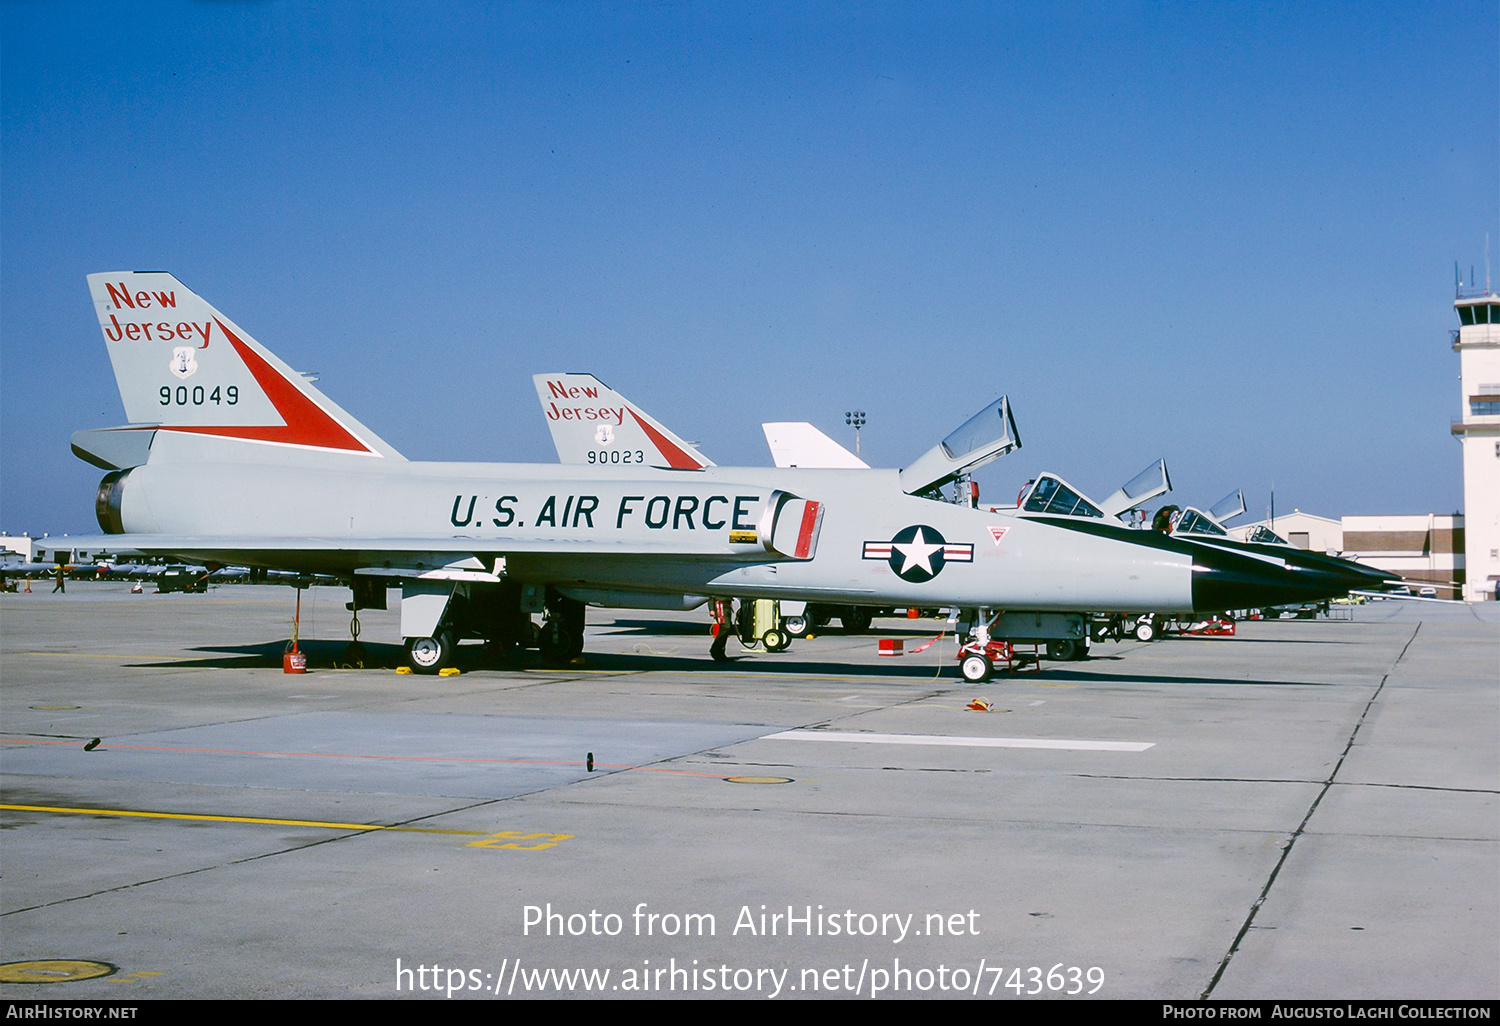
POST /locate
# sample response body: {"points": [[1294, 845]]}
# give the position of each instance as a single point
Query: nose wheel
{"points": [[979, 653], [977, 668]]}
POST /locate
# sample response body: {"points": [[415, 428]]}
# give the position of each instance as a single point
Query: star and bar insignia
{"points": [[919, 553]]}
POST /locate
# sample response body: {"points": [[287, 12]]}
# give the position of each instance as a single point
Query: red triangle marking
{"points": [[306, 422], [675, 457]]}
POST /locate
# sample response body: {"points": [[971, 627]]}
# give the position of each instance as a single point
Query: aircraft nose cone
{"points": [[1373, 578], [1225, 580], [1357, 575]]}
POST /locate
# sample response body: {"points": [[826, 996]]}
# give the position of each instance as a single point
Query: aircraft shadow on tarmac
{"points": [[687, 628], [325, 655], [1272, 641], [321, 655]]}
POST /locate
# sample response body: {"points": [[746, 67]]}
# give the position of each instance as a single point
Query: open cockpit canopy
{"points": [[1146, 485], [986, 436], [1229, 507]]}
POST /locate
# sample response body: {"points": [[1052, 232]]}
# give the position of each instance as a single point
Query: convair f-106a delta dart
{"points": [[231, 457]]}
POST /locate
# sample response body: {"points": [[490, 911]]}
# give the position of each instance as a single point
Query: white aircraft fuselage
{"points": [[709, 531], [231, 457]]}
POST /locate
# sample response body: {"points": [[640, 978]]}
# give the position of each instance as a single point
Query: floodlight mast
{"points": [[856, 420]]}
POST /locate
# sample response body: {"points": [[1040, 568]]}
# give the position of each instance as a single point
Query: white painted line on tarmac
{"points": [[859, 737]]}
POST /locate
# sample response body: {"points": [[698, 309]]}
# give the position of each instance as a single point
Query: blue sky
{"points": [[1219, 232]]}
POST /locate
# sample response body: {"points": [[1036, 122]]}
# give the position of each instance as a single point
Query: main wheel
{"points": [[429, 655], [818, 617], [796, 626], [976, 668], [558, 644], [856, 620], [1063, 649], [1145, 630]]}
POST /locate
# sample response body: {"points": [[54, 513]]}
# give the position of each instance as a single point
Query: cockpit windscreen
{"points": [[1050, 495], [1265, 536], [1193, 522]]}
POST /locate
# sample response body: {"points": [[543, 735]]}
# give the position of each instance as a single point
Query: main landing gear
{"points": [[854, 619], [560, 640], [429, 655], [435, 619]]}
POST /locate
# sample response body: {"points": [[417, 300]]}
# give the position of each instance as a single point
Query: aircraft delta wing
{"points": [[245, 462]]}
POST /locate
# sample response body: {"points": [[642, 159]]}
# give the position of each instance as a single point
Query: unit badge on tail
{"points": [[919, 553], [184, 362]]}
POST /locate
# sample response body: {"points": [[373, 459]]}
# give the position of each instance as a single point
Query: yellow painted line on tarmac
{"points": [[262, 821]]}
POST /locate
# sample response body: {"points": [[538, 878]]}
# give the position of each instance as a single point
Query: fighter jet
{"points": [[594, 425], [231, 457], [1052, 500], [1208, 529]]}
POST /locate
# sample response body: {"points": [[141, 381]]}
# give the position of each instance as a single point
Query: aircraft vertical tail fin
{"points": [[799, 444], [183, 367], [594, 425]]}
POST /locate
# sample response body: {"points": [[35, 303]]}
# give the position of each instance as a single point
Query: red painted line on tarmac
{"points": [[110, 745]]}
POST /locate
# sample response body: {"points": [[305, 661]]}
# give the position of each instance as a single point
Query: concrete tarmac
{"points": [[1310, 809]]}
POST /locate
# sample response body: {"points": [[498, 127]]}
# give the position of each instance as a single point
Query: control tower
{"points": [[1477, 342]]}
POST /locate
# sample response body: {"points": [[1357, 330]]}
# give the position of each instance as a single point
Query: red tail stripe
{"points": [[306, 422], [675, 456]]}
